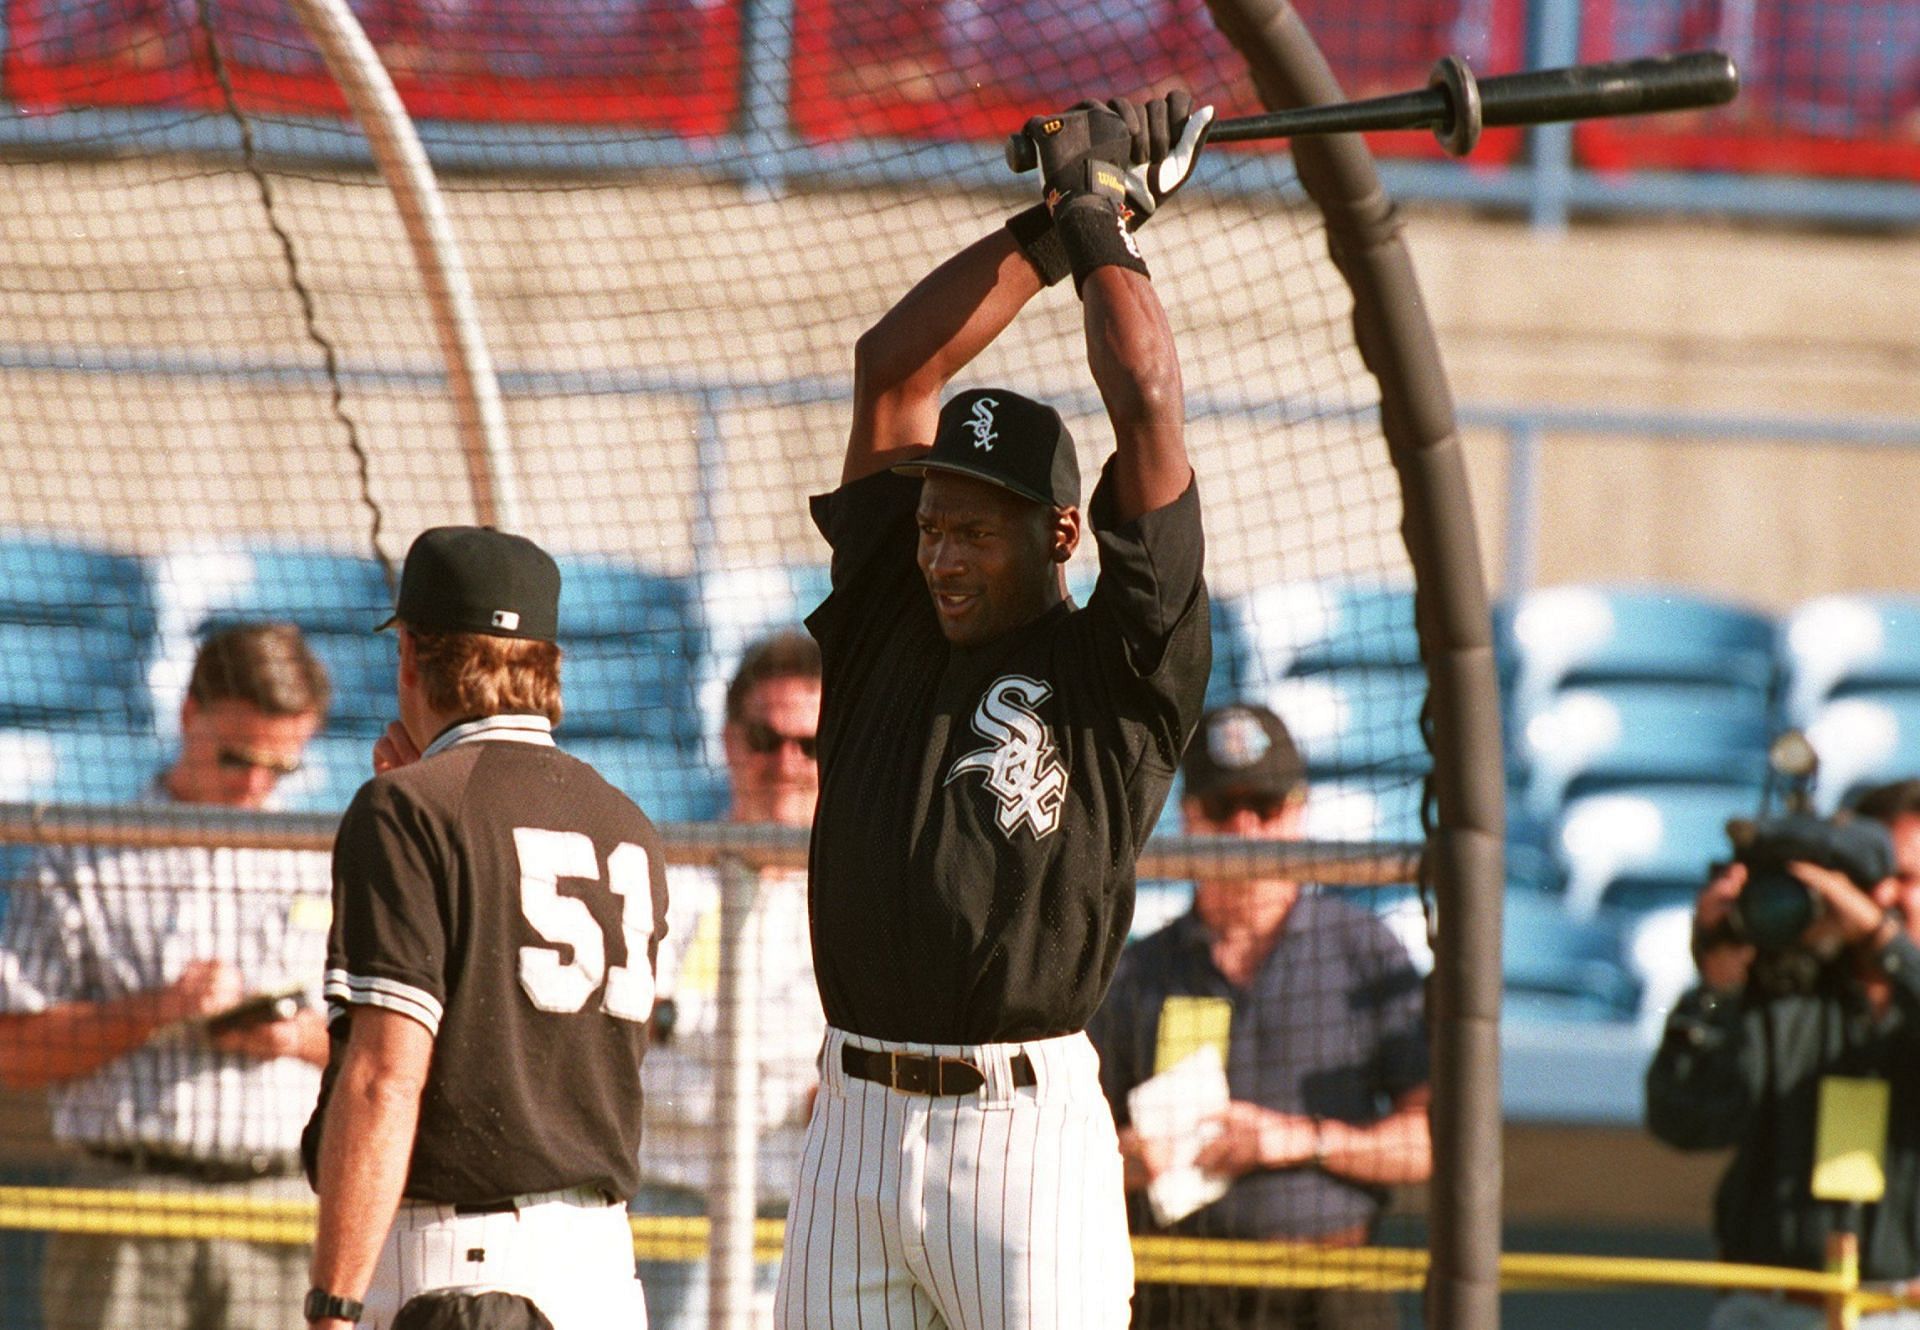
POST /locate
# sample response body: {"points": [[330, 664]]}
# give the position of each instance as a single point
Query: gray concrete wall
{"points": [[694, 281], [1696, 316]]}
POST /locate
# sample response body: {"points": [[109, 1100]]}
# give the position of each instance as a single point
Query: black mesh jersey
{"points": [[506, 897], [981, 808]]}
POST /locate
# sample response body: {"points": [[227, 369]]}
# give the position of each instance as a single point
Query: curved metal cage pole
{"points": [[1463, 861], [478, 411]]}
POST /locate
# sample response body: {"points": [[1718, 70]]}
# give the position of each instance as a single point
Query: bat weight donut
{"points": [[1462, 90]]}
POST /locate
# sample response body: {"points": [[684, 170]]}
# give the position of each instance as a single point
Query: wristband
{"points": [[1040, 243], [1319, 1143], [324, 1306], [1095, 235]]}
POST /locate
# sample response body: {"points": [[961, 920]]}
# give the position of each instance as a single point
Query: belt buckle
{"points": [[910, 1072]]}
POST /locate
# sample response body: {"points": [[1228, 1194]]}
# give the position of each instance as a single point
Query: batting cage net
{"points": [[228, 403]]}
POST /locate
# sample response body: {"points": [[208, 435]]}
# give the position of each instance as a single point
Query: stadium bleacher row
{"points": [[1638, 720]]}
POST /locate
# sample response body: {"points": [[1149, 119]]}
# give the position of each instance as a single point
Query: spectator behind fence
{"points": [[111, 963], [1316, 1012], [773, 712], [1747, 1052]]}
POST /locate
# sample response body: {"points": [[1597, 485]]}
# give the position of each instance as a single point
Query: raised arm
{"points": [[903, 362], [1106, 169], [1130, 351]]}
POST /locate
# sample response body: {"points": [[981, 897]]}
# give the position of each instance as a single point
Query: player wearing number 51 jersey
{"points": [[497, 907]]}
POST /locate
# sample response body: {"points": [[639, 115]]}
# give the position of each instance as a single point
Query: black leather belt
{"points": [[921, 1073], [571, 1195], [215, 1172]]}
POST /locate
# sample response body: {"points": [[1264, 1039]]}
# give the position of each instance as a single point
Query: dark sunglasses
{"points": [[247, 759], [762, 738], [1221, 805]]}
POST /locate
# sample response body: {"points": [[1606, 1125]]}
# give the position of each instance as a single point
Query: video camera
{"points": [[1774, 908]]}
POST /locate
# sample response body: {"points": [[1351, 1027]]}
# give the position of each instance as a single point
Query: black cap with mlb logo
{"points": [[996, 435], [1242, 747], [473, 579]]}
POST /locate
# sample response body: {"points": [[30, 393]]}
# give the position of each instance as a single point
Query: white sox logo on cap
{"points": [[1021, 767], [980, 425], [1236, 740]]}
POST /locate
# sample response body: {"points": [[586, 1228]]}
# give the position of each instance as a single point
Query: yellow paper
{"points": [[1850, 1142], [1188, 1024], [311, 913]]}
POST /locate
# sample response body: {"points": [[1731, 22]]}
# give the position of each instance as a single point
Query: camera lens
{"points": [[1773, 909]]}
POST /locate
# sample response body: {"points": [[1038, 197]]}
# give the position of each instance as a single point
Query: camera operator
{"points": [[1745, 1051]]}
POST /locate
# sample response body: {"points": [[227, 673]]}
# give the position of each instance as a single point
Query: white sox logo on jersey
{"points": [[980, 423], [1022, 770]]}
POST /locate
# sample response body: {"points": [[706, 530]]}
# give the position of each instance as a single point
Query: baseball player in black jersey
{"points": [[497, 906], [992, 757]]}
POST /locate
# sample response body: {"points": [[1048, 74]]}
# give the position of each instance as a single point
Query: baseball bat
{"points": [[1456, 106]]}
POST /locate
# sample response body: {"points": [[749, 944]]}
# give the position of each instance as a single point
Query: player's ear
{"points": [[1065, 533], [409, 663]]}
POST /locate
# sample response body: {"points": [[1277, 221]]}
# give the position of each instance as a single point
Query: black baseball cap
{"points": [[473, 579], [1242, 747], [996, 435]]}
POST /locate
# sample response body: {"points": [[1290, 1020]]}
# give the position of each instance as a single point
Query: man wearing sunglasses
{"points": [[169, 1000], [1316, 1012], [772, 717]]}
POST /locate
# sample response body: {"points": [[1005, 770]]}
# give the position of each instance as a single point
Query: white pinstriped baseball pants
{"points": [[573, 1259], [997, 1210]]}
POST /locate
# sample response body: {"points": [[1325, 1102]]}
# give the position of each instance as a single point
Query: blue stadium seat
{"points": [[608, 598], [613, 687], [76, 635], [1866, 739], [1576, 635], [1295, 628], [1354, 722], [78, 765], [668, 782], [1559, 969], [56, 582], [321, 590], [73, 674], [1592, 739], [1643, 847], [1835, 645]]}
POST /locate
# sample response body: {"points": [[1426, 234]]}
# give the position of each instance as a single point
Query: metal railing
{"points": [[739, 851], [1548, 184]]}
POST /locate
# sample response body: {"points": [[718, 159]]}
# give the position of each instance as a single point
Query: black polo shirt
{"points": [[981, 808], [1331, 1027]]}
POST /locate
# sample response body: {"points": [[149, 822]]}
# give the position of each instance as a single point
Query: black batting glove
{"points": [[1165, 137], [1084, 156]]}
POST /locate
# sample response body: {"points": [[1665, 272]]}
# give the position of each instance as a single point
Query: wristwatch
{"points": [[324, 1306]]}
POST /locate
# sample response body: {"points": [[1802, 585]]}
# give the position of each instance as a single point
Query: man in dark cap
{"points": [[1315, 1010], [496, 911], [992, 757]]}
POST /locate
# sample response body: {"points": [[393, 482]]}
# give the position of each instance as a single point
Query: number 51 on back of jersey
{"points": [[566, 922]]}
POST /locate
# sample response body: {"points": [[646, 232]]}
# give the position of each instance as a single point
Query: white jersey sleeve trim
{"points": [[345, 990]]}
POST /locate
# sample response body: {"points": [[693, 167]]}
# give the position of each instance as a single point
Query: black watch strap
{"points": [[324, 1306]]}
